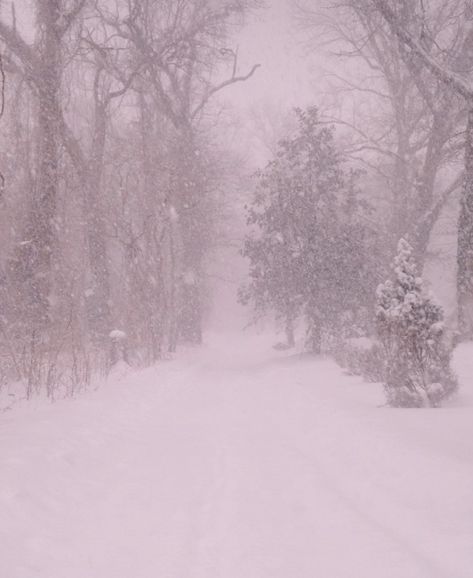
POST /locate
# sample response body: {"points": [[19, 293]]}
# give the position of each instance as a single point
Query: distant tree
{"points": [[307, 249], [410, 328], [183, 49]]}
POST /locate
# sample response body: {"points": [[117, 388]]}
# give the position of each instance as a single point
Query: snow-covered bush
{"points": [[118, 347], [362, 356], [411, 331]]}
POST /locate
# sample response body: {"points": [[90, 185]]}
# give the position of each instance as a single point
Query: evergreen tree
{"points": [[410, 327], [307, 247]]}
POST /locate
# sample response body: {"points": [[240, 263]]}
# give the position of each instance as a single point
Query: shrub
{"points": [[411, 331], [362, 356]]}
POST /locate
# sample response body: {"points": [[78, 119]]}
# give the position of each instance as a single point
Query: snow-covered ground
{"points": [[237, 461]]}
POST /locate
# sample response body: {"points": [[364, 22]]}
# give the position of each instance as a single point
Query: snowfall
{"points": [[237, 461]]}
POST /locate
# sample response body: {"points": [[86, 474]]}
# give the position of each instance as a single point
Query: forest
{"points": [[237, 254], [113, 178], [119, 184]]}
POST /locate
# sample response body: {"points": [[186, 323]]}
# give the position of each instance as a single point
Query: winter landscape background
{"points": [[236, 288]]}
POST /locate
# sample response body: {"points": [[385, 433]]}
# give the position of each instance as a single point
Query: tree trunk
{"points": [[173, 303], [314, 335], [289, 326], [290, 338], [98, 302], [465, 239], [156, 229], [42, 219], [188, 201]]}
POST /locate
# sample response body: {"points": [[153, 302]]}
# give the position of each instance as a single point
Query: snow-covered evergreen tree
{"points": [[308, 242], [410, 327]]}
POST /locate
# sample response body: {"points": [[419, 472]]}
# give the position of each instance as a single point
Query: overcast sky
{"points": [[272, 40], [285, 79]]}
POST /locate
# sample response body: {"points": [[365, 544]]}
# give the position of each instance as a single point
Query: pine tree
{"points": [[411, 330]]}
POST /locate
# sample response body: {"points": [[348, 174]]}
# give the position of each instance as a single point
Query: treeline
{"points": [[113, 177], [335, 218]]}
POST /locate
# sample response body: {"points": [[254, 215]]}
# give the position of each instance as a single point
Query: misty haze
{"points": [[236, 289]]}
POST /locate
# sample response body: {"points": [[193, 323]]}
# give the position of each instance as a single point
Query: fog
{"points": [[236, 288]]}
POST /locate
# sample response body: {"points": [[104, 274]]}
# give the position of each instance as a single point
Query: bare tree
{"points": [[454, 73], [408, 120], [118, 196], [180, 48], [42, 63], [110, 81]]}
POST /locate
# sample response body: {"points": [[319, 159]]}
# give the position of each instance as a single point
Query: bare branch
{"points": [[18, 46], [233, 80], [449, 77], [68, 19]]}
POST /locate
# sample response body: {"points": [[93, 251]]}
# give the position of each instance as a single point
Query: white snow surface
{"points": [[117, 335], [238, 461]]}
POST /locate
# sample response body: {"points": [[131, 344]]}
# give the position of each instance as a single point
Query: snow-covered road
{"points": [[236, 462]]}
